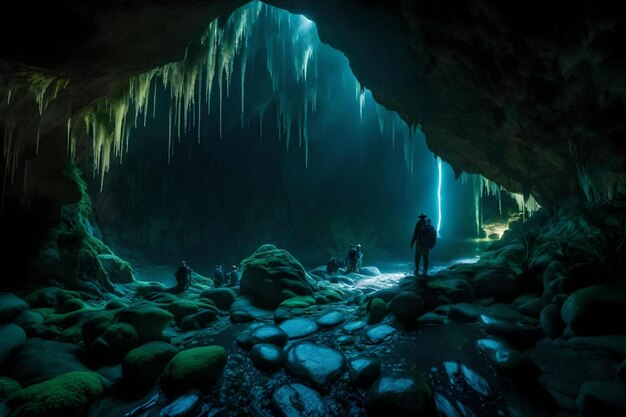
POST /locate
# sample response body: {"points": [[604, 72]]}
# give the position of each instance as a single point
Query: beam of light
{"points": [[439, 195]]}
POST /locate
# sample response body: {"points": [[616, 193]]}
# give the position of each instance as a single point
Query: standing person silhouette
{"points": [[424, 238]]}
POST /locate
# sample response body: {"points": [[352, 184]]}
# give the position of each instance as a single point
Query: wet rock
{"points": [[330, 319], [268, 334], [199, 320], [316, 364], [551, 321], [520, 334], [10, 306], [194, 368], [446, 408], [243, 310], [267, 357], [370, 271], [377, 309], [508, 360], [407, 306], [430, 319], [223, 298], [28, 318], [459, 374], [613, 345], [403, 396], [377, 334], [117, 341], [533, 307], [499, 283], [297, 400], [464, 312], [181, 406], [345, 340], [269, 271], [281, 314], [342, 279], [12, 337], [148, 321], [70, 394], [353, 326], [298, 327], [363, 371], [596, 310], [602, 398], [147, 361]]}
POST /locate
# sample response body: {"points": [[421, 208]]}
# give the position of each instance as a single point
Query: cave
{"points": [[313, 208]]}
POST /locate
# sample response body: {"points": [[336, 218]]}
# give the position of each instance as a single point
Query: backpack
{"points": [[428, 236]]}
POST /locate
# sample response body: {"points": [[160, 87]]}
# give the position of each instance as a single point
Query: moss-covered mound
{"points": [[194, 368], [269, 271], [70, 394], [149, 321], [8, 387], [147, 361]]}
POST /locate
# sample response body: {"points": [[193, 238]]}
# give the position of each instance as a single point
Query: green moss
{"points": [[70, 394], [50, 297], [287, 294], [298, 302], [95, 326], [73, 304], [149, 321], [182, 308], [332, 295], [147, 361], [121, 338], [8, 387], [194, 368], [378, 310]]}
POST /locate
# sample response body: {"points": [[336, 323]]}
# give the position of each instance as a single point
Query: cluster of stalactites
{"points": [[482, 186]]}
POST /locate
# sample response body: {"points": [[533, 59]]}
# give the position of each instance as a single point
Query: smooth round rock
{"points": [[379, 333], [345, 340], [182, 405], [269, 334], [298, 327], [10, 306], [508, 360], [404, 396], [297, 400], [363, 370], [319, 365], [330, 319], [267, 357], [353, 326], [11, 338]]}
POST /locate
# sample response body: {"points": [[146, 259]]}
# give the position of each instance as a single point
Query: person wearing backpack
{"points": [[424, 239]]}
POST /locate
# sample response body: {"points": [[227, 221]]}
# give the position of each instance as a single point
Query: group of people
{"points": [[424, 239]]}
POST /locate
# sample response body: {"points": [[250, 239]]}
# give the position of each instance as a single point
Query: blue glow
{"points": [[305, 23], [439, 195]]}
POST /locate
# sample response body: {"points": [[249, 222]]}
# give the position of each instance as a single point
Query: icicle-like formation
{"points": [[439, 184], [40, 85]]}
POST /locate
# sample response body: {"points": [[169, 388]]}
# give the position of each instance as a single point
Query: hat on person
{"points": [[358, 246], [422, 216]]}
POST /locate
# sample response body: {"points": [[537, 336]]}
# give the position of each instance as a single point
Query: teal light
{"points": [[439, 195]]}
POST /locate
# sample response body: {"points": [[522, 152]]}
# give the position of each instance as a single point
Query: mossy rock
{"points": [[95, 326], [147, 361], [221, 297], [70, 394], [50, 297], [121, 339], [377, 310], [286, 294], [148, 321], [332, 295], [118, 269], [115, 304], [182, 308], [198, 368], [8, 387], [269, 271], [298, 302], [73, 304]]}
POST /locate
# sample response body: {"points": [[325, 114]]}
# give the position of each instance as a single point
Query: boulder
{"points": [[377, 309], [379, 333], [12, 337], [519, 334], [345, 340], [353, 326], [244, 310], [602, 398], [39, 360], [8, 387], [318, 365], [431, 319], [302, 301], [28, 318], [297, 400], [509, 361], [596, 310], [407, 306], [198, 320], [532, 307], [459, 374], [147, 361], [363, 371], [223, 298], [551, 321], [369, 271], [95, 326], [10, 306], [330, 319], [267, 357], [182, 406], [69, 394], [464, 312], [194, 368], [49, 297], [298, 327], [400, 396], [269, 271], [182, 308], [148, 321], [268, 334]]}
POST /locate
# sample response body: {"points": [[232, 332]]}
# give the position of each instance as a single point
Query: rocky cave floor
{"points": [[421, 347]]}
